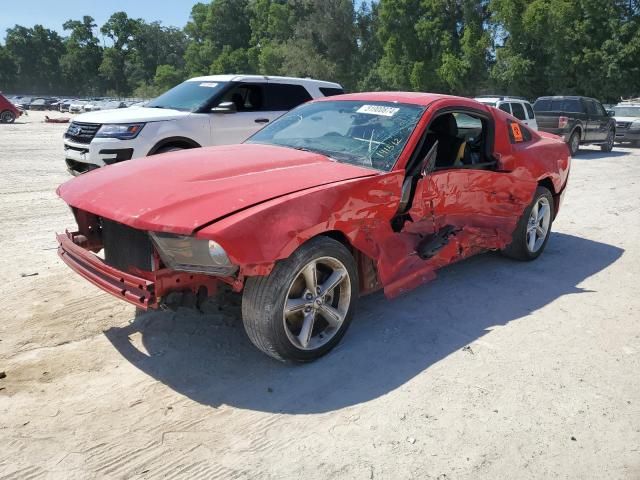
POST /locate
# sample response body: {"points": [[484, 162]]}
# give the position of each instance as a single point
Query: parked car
{"points": [[338, 198], [627, 116], [64, 105], [578, 120], [8, 111], [213, 110], [38, 104], [516, 106], [77, 106]]}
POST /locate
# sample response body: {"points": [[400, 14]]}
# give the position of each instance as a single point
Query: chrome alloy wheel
{"points": [[317, 303], [538, 224]]}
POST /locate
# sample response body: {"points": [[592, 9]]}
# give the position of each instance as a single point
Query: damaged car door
{"points": [[461, 203]]}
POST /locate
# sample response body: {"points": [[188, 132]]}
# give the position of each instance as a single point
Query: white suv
{"points": [[516, 106], [203, 111]]}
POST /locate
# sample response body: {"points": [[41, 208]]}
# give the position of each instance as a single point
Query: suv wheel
{"points": [[7, 117], [608, 145], [574, 142]]}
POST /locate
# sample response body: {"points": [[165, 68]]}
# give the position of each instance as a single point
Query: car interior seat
{"points": [[451, 148], [238, 101]]}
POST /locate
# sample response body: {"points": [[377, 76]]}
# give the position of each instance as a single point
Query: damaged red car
{"points": [[336, 199]]}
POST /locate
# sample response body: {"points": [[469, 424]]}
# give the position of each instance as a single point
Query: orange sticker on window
{"points": [[517, 133]]}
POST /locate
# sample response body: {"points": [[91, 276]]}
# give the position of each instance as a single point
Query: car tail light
{"points": [[563, 122]]}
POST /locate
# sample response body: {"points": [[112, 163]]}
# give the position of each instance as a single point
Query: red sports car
{"points": [[8, 111], [336, 199]]}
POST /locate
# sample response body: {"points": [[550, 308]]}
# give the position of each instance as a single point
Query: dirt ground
{"points": [[497, 369]]}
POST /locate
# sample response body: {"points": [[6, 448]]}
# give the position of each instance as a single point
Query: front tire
{"points": [[608, 145], [532, 233], [7, 117], [302, 309], [167, 150]]}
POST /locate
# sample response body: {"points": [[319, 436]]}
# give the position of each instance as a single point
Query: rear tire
{"points": [[7, 117], [608, 145], [574, 143], [531, 235], [302, 309]]}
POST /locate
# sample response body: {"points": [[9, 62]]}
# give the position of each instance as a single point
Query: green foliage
{"points": [[465, 47]]}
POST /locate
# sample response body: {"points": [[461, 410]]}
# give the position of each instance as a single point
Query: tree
{"points": [[121, 30], [82, 58], [8, 70], [36, 53]]}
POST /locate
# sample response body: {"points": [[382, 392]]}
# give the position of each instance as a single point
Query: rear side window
{"points": [[542, 106], [558, 105], [505, 107], [518, 111], [530, 111], [282, 96], [330, 92]]}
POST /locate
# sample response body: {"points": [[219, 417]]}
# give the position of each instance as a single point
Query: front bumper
{"points": [[145, 290], [627, 135], [84, 157]]}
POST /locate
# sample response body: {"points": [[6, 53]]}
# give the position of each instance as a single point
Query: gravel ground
{"points": [[497, 369]]}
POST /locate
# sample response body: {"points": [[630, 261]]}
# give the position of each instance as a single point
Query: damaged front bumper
{"points": [[145, 290]]}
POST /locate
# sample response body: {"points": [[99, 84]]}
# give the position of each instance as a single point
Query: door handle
{"points": [[262, 120]]}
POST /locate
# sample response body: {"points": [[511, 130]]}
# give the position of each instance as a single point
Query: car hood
{"points": [[130, 115], [181, 191]]}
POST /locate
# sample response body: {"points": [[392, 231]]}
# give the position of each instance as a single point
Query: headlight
{"points": [[191, 254], [635, 125], [120, 131]]}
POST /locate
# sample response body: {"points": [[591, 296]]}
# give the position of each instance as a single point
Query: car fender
{"points": [[360, 209]]}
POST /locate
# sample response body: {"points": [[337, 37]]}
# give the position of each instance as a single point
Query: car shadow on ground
{"points": [[593, 154], [208, 358]]}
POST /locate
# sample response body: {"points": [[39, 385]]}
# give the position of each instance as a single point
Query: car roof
{"points": [[412, 98], [263, 78], [564, 97]]}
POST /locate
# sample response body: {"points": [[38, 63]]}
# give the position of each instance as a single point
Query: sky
{"points": [[53, 13]]}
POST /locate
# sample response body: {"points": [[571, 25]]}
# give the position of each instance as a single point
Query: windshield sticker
{"points": [[378, 110], [209, 85]]}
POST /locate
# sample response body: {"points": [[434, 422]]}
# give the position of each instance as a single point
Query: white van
{"points": [[203, 111]]}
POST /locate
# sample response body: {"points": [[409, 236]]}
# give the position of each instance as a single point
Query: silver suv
{"points": [[627, 115]]}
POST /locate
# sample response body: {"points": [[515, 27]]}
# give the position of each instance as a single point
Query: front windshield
{"points": [[188, 96], [368, 134], [627, 111]]}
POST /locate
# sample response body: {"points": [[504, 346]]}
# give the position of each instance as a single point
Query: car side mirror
{"points": [[429, 160], [225, 107], [611, 113]]}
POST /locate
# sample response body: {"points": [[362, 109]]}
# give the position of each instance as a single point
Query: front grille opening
{"points": [[82, 132], [126, 248]]}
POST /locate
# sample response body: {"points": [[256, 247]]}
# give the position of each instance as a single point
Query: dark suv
{"points": [[578, 120]]}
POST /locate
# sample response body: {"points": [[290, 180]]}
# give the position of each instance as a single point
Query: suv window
{"points": [[505, 107], [330, 92], [558, 105], [282, 96], [591, 107], [530, 111], [600, 109], [247, 98], [518, 111]]}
